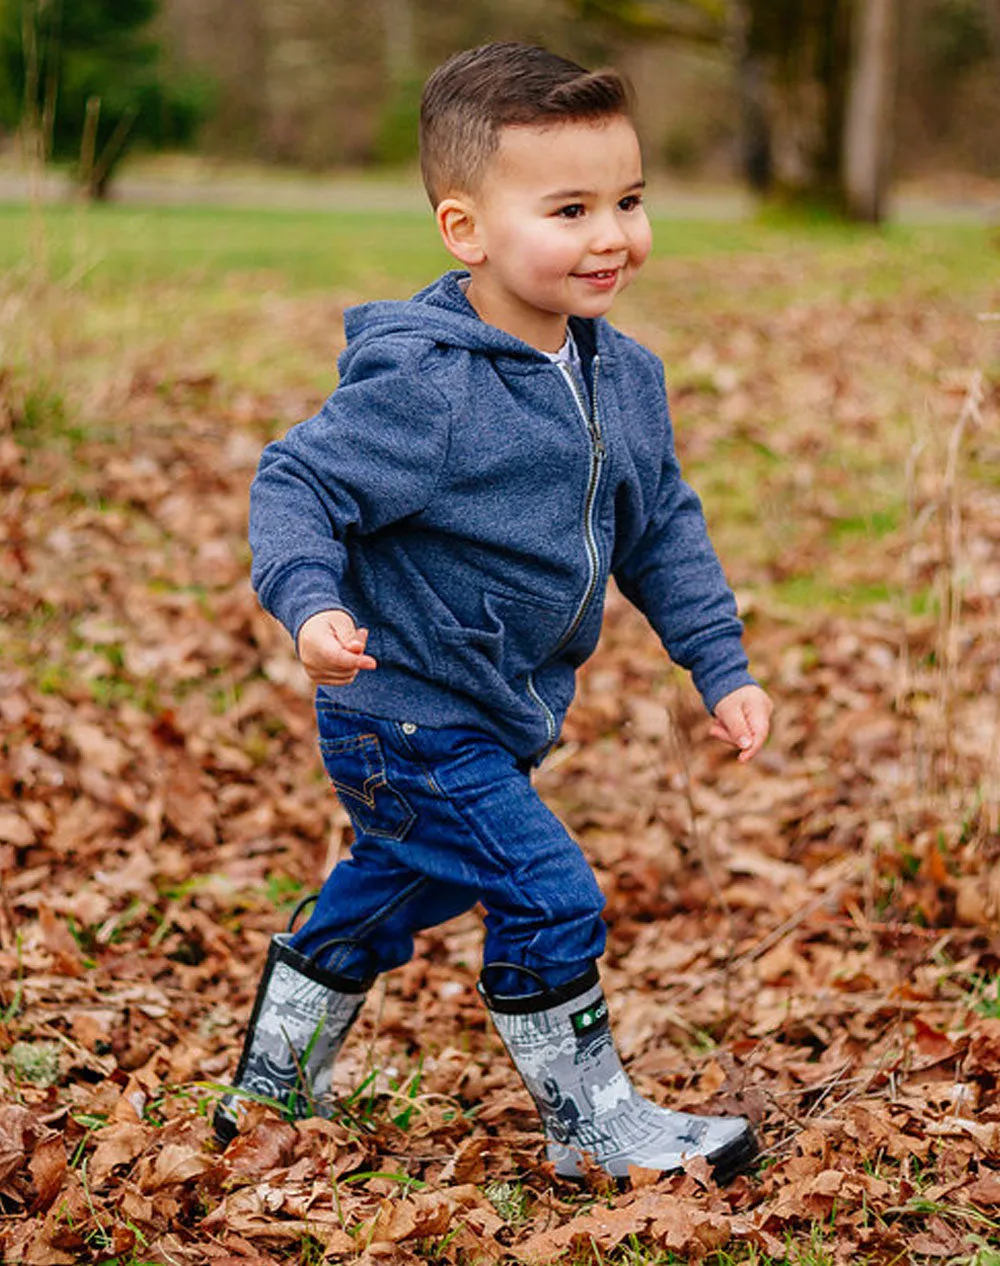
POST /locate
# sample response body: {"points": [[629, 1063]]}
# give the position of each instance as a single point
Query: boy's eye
{"points": [[630, 202], [571, 212]]}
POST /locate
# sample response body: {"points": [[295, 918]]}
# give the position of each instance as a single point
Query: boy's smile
{"points": [[555, 229]]}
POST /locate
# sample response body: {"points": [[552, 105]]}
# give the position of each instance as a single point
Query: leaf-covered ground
{"points": [[812, 941]]}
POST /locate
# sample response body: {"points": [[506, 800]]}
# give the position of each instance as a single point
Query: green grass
{"points": [[102, 247], [383, 253]]}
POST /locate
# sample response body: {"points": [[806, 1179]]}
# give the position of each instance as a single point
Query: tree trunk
{"points": [[756, 160], [993, 20], [399, 40], [869, 117]]}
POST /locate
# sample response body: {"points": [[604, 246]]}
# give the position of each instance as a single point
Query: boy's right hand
{"points": [[332, 649]]}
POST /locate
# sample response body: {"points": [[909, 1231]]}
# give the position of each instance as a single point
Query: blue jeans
{"points": [[443, 819]]}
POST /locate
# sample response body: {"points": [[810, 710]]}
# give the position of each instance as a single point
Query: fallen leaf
{"points": [[48, 1168], [261, 1149], [117, 1144]]}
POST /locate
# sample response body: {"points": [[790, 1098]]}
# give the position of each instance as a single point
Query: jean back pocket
{"points": [[356, 766]]}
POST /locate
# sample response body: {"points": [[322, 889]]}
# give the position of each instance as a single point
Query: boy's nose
{"points": [[609, 235]]}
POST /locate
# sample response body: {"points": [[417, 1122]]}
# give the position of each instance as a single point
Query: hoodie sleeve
{"points": [[674, 577], [371, 456]]}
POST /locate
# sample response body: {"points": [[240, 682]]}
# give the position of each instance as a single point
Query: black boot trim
{"points": [[354, 943], [283, 953], [224, 1124], [304, 904], [544, 1000]]}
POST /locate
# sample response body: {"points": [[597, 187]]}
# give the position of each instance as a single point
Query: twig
{"points": [[681, 751], [778, 934], [952, 526], [859, 1086], [836, 1080]]}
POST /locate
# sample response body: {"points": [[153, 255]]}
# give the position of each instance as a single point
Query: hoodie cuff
{"points": [[727, 671], [302, 593]]}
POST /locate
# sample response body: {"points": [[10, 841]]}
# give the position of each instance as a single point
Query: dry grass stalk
{"points": [[930, 713], [952, 572], [682, 753]]}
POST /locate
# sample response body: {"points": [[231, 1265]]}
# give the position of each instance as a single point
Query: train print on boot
{"points": [[561, 1044], [301, 1015]]}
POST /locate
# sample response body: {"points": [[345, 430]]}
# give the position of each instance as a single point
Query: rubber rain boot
{"points": [[561, 1044], [300, 1017]]}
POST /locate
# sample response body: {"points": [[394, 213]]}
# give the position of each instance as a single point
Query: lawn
{"points": [[812, 941]]}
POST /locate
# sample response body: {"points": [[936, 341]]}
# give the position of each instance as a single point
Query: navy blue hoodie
{"points": [[466, 499]]}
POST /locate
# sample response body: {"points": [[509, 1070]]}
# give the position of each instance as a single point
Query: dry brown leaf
{"points": [[117, 1144], [14, 829], [938, 1240], [690, 1231], [985, 1189], [267, 1146], [48, 1168], [415, 1217], [60, 943], [467, 1165], [18, 1131], [174, 1163]]}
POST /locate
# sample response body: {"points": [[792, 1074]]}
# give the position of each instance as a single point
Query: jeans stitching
{"points": [[369, 747], [391, 906]]}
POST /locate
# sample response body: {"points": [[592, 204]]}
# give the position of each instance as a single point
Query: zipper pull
{"points": [[595, 417]]}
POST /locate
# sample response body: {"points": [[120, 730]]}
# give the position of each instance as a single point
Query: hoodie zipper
{"points": [[592, 422]]}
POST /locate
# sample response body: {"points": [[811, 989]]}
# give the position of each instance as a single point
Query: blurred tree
{"points": [[868, 116], [85, 80], [800, 52], [396, 139], [330, 83], [816, 83], [699, 20]]}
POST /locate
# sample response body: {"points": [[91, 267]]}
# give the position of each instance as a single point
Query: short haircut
{"points": [[474, 94]]}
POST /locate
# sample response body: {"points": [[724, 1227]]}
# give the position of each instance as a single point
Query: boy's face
{"points": [[557, 227]]}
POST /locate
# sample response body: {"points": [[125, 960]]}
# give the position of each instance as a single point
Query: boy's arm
{"points": [[371, 456], [674, 577]]}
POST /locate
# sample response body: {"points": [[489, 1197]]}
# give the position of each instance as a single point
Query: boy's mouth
{"points": [[600, 276]]}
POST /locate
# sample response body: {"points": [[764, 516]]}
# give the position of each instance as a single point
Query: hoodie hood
{"points": [[440, 313]]}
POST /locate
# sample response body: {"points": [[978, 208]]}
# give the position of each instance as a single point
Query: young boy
{"points": [[437, 540]]}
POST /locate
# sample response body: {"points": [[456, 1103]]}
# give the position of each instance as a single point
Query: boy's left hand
{"points": [[743, 719]]}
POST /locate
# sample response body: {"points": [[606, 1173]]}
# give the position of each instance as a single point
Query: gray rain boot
{"points": [[561, 1045], [300, 1018]]}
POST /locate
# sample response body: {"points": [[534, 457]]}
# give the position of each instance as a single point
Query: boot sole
{"points": [[733, 1159], [726, 1164], [224, 1127]]}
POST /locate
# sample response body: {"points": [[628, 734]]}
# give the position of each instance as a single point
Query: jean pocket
{"points": [[356, 766]]}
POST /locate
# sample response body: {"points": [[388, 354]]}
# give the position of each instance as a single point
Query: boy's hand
{"points": [[743, 719], [332, 649]]}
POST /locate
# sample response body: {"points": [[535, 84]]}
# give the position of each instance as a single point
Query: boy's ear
{"points": [[460, 231]]}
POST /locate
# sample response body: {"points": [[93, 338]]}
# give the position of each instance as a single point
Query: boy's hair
{"points": [[474, 94]]}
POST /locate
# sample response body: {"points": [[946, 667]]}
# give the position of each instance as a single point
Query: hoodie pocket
{"points": [[522, 633], [356, 766]]}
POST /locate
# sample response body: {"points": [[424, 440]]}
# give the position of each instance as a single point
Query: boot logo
{"points": [[590, 1018]]}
